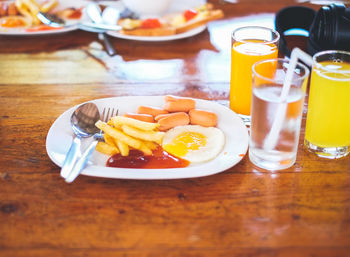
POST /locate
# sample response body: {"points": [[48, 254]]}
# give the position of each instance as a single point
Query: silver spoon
{"points": [[94, 13], [83, 121], [53, 20]]}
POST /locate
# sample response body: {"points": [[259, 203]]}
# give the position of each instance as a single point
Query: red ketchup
{"points": [[151, 23], [190, 14], [159, 159], [75, 14]]}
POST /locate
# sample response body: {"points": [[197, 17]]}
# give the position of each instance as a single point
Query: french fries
{"points": [[30, 8], [123, 148], [48, 5], [109, 140], [124, 133], [120, 120], [106, 148], [144, 135]]}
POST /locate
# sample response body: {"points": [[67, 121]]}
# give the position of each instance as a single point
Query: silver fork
{"points": [[81, 163]]}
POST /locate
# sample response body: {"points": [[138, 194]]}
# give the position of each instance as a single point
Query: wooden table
{"points": [[243, 211]]}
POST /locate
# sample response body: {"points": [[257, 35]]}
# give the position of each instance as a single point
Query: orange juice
{"points": [[243, 55], [328, 117]]}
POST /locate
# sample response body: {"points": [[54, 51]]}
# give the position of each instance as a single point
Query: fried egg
{"points": [[14, 22], [194, 143]]}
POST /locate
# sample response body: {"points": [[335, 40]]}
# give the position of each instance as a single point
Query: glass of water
{"points": [[275, 120]]}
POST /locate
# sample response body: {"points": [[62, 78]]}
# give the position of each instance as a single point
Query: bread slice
{"points": [[196, 22], [205, 13], [162, 31], [134, 27], [173, 23]]}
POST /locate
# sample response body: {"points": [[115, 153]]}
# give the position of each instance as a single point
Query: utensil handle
{"points": [[71, 157], [80, 165], [108, 45], [99, 26]]}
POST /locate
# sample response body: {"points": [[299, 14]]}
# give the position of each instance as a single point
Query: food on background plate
{"points": [[146, 27], [21, 14], [193, 18], [30, 9], [8, 9], [168, 141], [70, 13], [15, 21], [170, 24]]}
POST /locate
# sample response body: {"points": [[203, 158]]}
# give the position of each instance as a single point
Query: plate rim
{"points": [[155, 174], [190, 33], [71, 27]]}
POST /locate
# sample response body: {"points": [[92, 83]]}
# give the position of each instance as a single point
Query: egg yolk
{"points": [[186, 142], [12, 22]]}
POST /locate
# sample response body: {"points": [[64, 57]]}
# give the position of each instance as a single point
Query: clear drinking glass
{"points": [[269, 150], [327, 132], [249, 45]]}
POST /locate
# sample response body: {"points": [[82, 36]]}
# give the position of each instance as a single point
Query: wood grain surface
{"points": [[243, 211]]}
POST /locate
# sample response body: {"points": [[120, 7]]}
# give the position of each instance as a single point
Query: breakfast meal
{"points": [[172, 23], [194, 143], [146, 27], [173, 136], [22, 14], [193, 18]]}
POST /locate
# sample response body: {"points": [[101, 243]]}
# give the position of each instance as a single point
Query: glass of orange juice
{"points": [[327, 131], [250, 44]]}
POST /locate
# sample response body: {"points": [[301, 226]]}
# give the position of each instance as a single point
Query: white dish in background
{"points": [[148, 7], [177, 6], [60, 136], [62, 4], [187, 34]]}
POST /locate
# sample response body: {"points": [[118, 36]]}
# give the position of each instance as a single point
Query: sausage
{"points": [[142, 117], [178, 104], [154, 111], [158, 117], [3, 9], [172, 120], [203, 118], [12, 10]]}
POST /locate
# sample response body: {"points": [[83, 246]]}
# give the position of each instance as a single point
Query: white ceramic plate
{"points": [[60, 137], [186, 34], [176, 7], [62, 4]]}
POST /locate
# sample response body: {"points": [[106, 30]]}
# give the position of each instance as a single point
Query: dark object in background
{"points": [[127, 13], [329, 28]]}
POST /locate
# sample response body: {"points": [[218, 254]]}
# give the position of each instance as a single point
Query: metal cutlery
{"points": [[110, 16], [81, 163], [83, 122], [53, 20]]}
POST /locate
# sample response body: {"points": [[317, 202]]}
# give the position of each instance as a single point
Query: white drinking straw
{"points": [[272, 138]]}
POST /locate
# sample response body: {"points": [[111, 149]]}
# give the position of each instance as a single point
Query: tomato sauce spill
{"points": [[159, 159], [12, 22], [42, 28], [75, 14], [190, 14], [151, 23]]}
